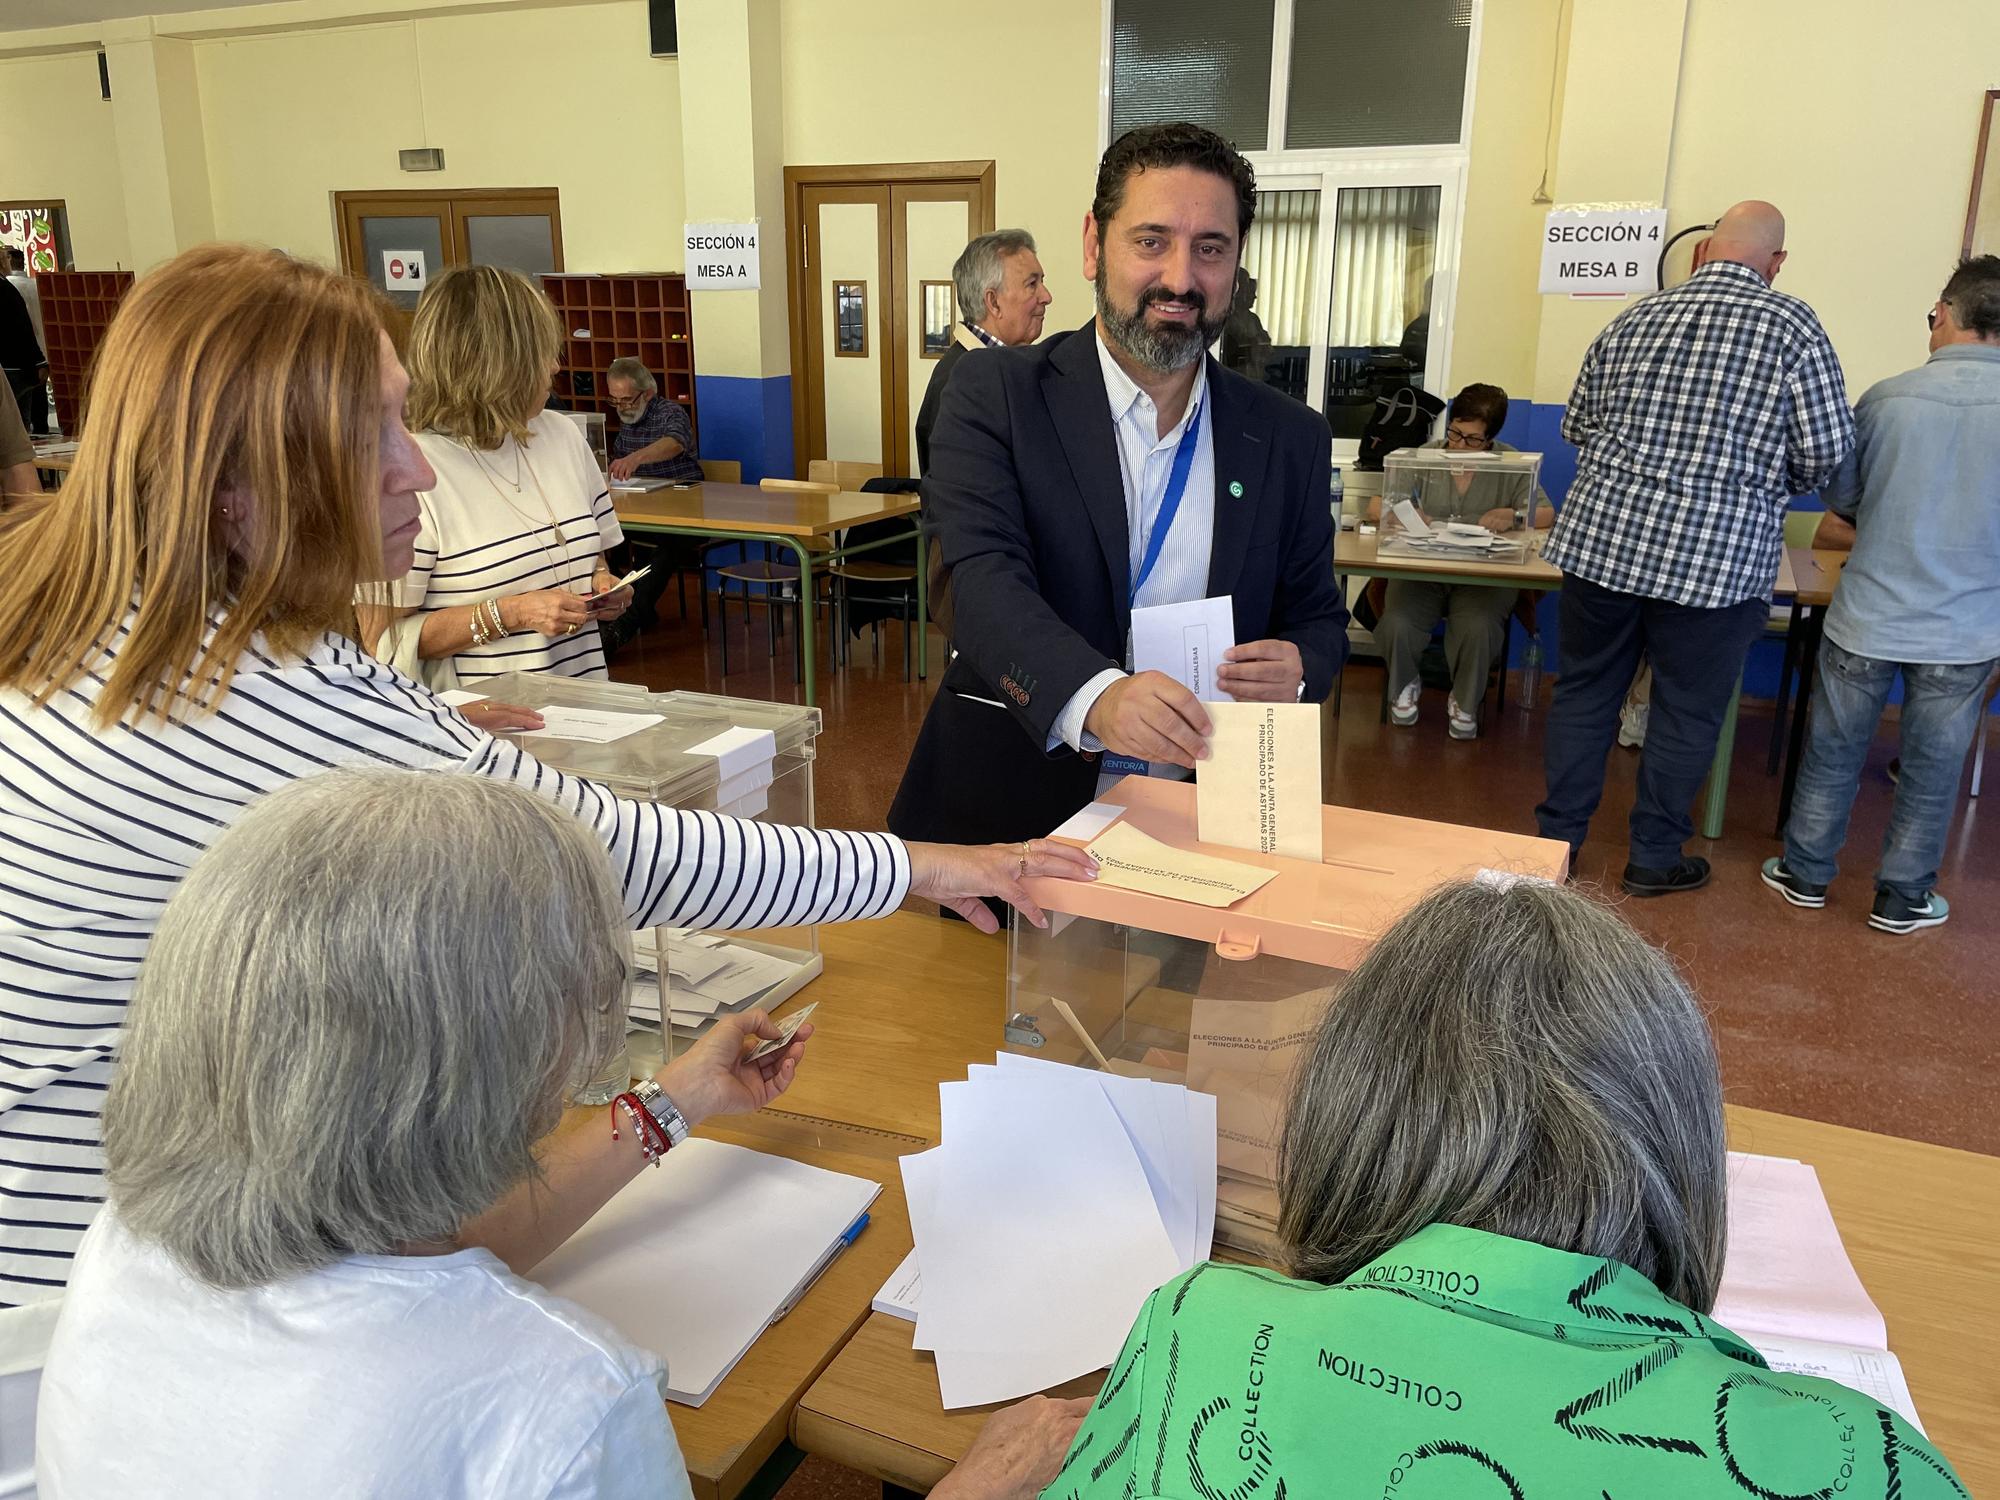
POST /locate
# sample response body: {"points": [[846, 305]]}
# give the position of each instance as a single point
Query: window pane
{"points": [[1269, 334], [517, 242], [388, 233], [1193, 60], [1379, 333], [1377, 72]]}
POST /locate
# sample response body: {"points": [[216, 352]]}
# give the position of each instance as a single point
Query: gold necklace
{"points": [[479, 458], [522, 465]]}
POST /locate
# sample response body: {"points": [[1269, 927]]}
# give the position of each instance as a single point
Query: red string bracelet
{"points": [[652, 1138]]}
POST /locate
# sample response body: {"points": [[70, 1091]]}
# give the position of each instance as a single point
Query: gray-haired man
{"points": [[1002, 295], [655, 439]]}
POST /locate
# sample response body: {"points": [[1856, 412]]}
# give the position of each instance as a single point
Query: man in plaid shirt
{"points": [[1699, 413]]}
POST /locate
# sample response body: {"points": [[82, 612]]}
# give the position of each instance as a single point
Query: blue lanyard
{"points": [[1170, 503]]}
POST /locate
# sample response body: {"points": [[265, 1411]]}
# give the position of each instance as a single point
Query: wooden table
{"points": [[1812, 575], [1357, 555], [53, 465], [920, 999], [746, 513]]}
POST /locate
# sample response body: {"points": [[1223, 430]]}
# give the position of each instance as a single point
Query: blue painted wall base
{"points": [[749, 420]]}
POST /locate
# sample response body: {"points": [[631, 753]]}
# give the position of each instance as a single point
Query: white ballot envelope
{"points": [[1185, 641]]}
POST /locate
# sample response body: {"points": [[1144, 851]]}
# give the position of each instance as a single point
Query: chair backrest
{"points": [[843, 473], [722, 470], [809, 486]]}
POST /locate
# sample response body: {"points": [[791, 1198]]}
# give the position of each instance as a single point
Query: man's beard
{"points": [[1165, 347]]}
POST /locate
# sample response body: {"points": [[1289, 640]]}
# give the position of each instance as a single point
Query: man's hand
{"points": [[1262, 672], [1017, 1452], [1150, 716], [1500, 518], [621, 468]]}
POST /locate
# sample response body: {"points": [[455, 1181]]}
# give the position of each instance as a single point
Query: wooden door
{"points": [[866, 242], [519, 228], [850, 364]]}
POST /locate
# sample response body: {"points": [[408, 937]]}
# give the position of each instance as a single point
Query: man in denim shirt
{"points": [[1921, 596]]}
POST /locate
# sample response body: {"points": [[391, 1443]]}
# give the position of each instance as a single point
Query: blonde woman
{"points": [[516, 524], [177, 638]]}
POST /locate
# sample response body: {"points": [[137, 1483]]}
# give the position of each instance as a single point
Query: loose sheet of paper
{"points": [[1412, 519], [1873, 1372], [722, 1209], [1089, 822], [901, 1292], [1042, 1243], [595, 726], [1185, 641], [1135, 861], [1786, 1273], [1260, 787]]}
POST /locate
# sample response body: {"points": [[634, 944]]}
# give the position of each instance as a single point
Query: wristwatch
{"points": [[662, 1109]]}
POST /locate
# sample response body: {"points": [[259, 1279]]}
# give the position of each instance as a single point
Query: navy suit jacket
{"points": [[1025, 490]]}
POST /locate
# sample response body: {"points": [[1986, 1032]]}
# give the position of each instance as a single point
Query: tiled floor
{"points": [[1815, 1014]]}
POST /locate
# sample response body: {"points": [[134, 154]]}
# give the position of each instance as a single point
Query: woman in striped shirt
{"points": [[515, 527], [176, 639]]}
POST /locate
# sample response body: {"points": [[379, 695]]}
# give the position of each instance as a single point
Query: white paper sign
{"points": [[1605, 248], [722, 257], [403, 270]]}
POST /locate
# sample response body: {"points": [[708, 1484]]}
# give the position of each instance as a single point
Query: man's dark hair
{"points": [[1973, 294], [1151, 147], [1480, 403], [16, 259]]}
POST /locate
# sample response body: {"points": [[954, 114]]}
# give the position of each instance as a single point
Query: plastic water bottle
{"points": [[1334, 494], [1531, 674]]}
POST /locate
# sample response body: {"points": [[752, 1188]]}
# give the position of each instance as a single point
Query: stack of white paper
{"points": [[1060, 1198], [707, 976], [693, 1261], [1790, 1290]]}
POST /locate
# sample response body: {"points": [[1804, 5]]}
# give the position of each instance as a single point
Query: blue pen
{"points": [[819, 1269]]}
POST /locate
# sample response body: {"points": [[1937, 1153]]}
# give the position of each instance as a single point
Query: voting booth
{"points": [[702, 753], [1433, 500], [1223, 998]]}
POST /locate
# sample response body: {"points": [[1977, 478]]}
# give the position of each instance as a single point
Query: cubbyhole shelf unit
{"points": [[76, 309], [645, 317]]}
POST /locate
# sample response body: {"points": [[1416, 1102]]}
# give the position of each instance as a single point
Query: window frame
{"points": [[1328, 170]]}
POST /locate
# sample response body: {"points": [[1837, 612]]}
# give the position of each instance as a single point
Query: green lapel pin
{"points": [[1236, 488]]}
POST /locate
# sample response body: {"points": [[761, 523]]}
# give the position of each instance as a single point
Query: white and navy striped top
{"points": [[96, 828], [482, 539]]}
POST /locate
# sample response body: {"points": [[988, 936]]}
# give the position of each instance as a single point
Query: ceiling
{"points": [[31, 15]]}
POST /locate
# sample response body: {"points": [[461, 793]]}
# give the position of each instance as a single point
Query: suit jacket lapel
{"points": [[1242, 447], [1074, 390]]}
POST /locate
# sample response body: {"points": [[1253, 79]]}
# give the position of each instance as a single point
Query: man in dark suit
{"points": [[1114, 467], [1002, 297]]}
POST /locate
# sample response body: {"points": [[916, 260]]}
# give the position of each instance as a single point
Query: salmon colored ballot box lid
{"points": [[1375, 867]]}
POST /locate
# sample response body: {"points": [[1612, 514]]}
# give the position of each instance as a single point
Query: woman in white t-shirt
{"points": [[510, 558], [329, 1091]]}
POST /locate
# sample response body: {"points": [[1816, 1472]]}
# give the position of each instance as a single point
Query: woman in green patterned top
{"points": [[1502, 1182]]}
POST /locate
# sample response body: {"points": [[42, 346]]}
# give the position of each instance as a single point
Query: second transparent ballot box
{"points": [[701, 753], [1438, 502], [1224, 999]]}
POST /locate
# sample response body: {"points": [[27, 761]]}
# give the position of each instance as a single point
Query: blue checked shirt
{"points": [[663, 417], [1700, 412]]}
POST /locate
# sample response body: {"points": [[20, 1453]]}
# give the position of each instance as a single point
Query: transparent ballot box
{"points": [[1224, 999], [703, 753], [1434, 501]]}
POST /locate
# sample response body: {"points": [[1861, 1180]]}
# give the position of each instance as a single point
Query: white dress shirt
{"points": [[1145, 459]]}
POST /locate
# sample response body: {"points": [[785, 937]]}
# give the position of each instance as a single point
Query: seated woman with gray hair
{"points": [[343, 1072], [1502, 1191]]}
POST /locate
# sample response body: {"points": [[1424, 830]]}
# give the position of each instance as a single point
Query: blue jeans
{"points": [[1941, 712], [1697, 657]]}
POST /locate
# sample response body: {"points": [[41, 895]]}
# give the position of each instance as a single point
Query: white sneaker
{"points": [[1632, 725], [1403, 712], [1463, 726]]}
